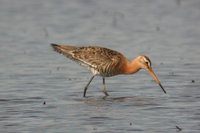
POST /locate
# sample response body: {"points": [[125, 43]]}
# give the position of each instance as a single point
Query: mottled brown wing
{"points": [[104, 60]]}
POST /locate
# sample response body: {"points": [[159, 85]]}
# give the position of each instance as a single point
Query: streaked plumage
{"points": [[100, 61], [105, 62]]}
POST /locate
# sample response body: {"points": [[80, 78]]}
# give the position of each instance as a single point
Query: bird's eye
{"points": [[147, 63]]}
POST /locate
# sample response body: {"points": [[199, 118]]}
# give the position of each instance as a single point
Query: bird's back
{"points": [[105, 61]]}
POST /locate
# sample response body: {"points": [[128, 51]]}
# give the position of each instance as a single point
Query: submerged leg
{"points": [[104, 87], [86, 87]]}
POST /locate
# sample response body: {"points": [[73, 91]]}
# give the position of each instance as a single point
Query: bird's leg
{"points": [[86, 87], [104, 87]]}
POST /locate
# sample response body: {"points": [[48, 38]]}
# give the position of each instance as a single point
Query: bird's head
{"points": [[145, 63]]}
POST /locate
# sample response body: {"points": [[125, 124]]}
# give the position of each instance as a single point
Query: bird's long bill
{"points": [[153, 75]]}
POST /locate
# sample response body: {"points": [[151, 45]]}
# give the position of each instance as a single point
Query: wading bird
{"points": [[105, 62]]}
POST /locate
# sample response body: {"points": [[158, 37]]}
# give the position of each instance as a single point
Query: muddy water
{"points": [[41, 91]]}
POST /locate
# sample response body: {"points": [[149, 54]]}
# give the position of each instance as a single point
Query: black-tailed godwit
{"points": [[105, 62]]}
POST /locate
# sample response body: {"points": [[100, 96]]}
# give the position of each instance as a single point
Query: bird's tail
{"points": [[63, 49]]}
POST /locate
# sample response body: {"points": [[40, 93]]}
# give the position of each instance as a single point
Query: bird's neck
{"points": [[132, 67]]}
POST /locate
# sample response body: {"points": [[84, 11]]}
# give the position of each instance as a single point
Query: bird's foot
{"points": [[106, 93]]}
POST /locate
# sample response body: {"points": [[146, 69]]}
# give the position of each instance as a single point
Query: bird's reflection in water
{"points": [[122, 101]]}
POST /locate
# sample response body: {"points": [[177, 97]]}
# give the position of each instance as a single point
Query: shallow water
{"points": [[41, 91]]}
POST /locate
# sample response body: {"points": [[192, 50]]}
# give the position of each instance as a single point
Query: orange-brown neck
{"points": [[131, 67]]}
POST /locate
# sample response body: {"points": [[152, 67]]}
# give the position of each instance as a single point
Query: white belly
{"points": [[94, 72]]}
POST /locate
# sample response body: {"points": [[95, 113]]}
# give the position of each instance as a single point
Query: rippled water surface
{"points": [[41, 91]]}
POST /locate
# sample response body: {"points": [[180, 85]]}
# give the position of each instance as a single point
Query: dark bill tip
{"points": [[162, 88]]}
